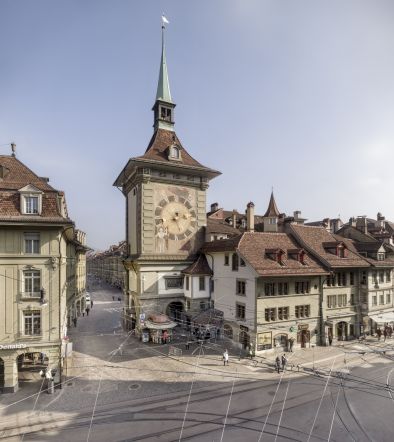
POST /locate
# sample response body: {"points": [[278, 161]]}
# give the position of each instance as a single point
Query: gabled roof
{"points": [[157, 154], [199, 267], [314, 238], [20, 178], [219, 226], [272, 207], [161, 140], [254, 247]]}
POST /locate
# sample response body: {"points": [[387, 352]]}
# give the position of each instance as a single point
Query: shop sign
{"points": [[142, 319], [303, 326], [292, 329], [12, 346]]}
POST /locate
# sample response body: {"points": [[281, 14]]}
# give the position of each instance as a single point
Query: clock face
{"points": [[175, 218]]}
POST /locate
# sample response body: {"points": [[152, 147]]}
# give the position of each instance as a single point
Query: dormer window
{"points": [[272, 221], [31, 200], [277, 255], [174, 153], [31, 205], [298, 254], [381, 256]]}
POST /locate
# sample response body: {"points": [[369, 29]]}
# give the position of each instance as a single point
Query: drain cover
{"points": [[134, 386]]}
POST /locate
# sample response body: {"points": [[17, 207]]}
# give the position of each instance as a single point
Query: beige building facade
{"points": [[37, 272]]}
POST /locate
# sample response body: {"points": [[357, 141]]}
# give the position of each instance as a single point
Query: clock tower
{"points": [[165, 192]]}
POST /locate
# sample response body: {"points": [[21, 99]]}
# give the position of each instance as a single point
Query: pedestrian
{"points": [[379, 333], [251, 351], [291, 343], [284, 362], [165, 337], [330, 339], [225, 357], [75, 321], [91, 303], [385, 333], [83, 313], [390, 331], [113, 298], [277, 364], [87, 311]]}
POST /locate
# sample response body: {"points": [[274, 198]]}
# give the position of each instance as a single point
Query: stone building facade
{"points": [[41, 253]]}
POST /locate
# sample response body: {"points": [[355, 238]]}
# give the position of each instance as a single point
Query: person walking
{"points": [[91, 303], [385, 334], [83, 313], [284, 362], [225, 357], [291, 343], [87, 310], [277, 364], [75, 321], [379, 333]]}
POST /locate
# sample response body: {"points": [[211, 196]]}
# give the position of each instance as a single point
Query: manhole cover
{"points": [[134, 386]]}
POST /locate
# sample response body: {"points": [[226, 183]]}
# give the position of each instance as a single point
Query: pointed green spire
{"points": [[163, 86]]}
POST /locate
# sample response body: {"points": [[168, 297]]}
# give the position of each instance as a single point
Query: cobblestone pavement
{"points": [[113, 377]]}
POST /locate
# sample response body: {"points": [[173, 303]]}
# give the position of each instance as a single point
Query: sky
{"points": [[294, 95]]}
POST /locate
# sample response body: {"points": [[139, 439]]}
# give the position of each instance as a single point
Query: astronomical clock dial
{"points": [[175, 219]]}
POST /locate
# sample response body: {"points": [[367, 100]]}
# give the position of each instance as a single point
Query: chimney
{"points": [[362, 224], [352, 221], [13, 149], [250, 217], [234, 219], [214, 207]]}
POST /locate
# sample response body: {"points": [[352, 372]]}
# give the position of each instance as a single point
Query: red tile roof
{"points": [[314, 238], [18, 176], [157, 149], [254, 246], [199, 267]]}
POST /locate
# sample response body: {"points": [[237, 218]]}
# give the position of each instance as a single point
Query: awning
{"points": [[381, 318], [159, 325]]}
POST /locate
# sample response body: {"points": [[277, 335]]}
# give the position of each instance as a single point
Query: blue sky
{"points": [[297, 95]]}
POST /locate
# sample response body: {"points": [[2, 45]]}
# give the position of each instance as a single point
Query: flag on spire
{"points": [[164, 20]]}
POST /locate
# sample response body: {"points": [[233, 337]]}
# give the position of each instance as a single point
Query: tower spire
{"points": [[164, 106], [163, 86]]}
